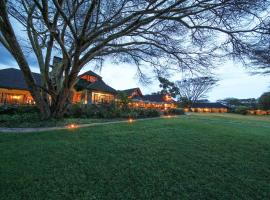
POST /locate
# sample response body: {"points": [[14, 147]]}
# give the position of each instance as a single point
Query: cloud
{"points": [[5, 57]]}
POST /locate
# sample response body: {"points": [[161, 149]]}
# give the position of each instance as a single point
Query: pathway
{"points": [[71, 126]]}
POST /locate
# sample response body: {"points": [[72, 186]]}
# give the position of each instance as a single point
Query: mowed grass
{"points": [[190, 157]]}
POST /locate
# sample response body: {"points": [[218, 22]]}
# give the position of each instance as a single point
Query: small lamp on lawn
{"points": [[130, 120], [72, 126]]}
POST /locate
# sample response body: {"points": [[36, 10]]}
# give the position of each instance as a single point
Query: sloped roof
{"points": [[90, 73], [13, 79], [130, 91], [208, 105], [159, 98], [99, 85]]}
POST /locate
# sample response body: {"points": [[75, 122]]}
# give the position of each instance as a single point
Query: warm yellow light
{"points": [[16, 97], [130, 120], [170, 116], [72, 126]]}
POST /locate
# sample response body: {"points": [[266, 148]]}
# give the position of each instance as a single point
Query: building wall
{"points": [[210, 110], [259, 112], [102, 97], [162, 106], [92, 97], [14, 96]]}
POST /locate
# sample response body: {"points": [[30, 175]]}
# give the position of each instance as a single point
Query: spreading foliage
{"points": [[174, 111], [251, 103], [167, 87], [193, 89], [110, 111], [264, 101], [124, 99], [185, 35]]}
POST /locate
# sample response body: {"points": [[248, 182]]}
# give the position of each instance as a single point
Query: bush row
{"points": [[17, 109], [90, 111], [109, 111], [174, 111], [243, 110]]}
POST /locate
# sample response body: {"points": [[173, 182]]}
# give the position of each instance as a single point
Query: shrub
{"points": [[152, 113], [109, 111], [17, 109], [75, 110], [93, 111], [7, 109], [27, 109], [264, 101], [17, 120], [243, 110], [174, 111]]}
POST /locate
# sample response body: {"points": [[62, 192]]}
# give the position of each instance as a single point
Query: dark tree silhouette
{"points": [[256, 47], [167, 87], [234, 102], [166, 34], [193, 89], [264, 101]]}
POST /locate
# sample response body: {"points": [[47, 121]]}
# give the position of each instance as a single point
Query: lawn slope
{"points": [[190, 157]]}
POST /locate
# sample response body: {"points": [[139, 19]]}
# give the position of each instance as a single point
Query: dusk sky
{"points": [[235, 81]]}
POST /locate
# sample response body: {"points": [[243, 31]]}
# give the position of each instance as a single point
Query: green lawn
{"points": [[190, 157]]}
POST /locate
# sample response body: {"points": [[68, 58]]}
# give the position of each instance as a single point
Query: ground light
{"points": [[169, 116], [72, 126], [130, 120]]}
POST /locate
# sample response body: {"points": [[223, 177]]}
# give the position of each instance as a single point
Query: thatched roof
{"points": [[12, 78]]}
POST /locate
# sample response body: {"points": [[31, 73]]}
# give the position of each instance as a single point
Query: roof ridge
{"points": [[91, 73]]}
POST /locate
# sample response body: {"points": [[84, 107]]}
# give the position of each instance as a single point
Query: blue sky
{"points": [[235, 81]]}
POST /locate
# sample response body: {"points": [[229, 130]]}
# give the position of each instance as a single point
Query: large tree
{"points": [[264, 101], [167, 87], [257, 50], [193, 89], [166, 34], [234, 102]]}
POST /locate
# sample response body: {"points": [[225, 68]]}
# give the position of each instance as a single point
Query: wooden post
{"points": [[89, 98], [1, 100]]}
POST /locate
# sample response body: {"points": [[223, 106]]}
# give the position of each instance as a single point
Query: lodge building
{"points": [[209, 108], [138, 100], [89, 89]]}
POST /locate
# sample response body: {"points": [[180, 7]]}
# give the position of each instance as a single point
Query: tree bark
{"points": [[16, 51]]}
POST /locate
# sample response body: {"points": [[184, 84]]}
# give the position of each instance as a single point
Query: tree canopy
{"points": [[167, 87], [264, 101], [185, 35], [250, 103], [193, 89]]}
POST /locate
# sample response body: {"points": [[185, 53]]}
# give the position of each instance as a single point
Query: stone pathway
{"points": [[74, 126]]}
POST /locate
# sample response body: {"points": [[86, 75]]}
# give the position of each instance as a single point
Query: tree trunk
{"points": [[60, 104], [44, 109], [15, 49]]}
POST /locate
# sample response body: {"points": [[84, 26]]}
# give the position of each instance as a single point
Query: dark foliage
{"points": [[109, 111], [184, 35], [264, 101], [193, 89], [168, 87], [174, 111], [232, 103], [17, 109], [243, 110]]}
